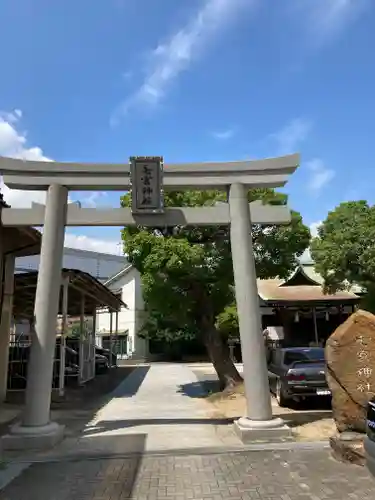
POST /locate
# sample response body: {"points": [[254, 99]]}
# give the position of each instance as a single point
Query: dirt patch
{"points": [[308, 422]]}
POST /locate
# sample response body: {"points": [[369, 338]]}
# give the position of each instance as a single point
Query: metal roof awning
{"points": [[20, 241], [80, 283]]}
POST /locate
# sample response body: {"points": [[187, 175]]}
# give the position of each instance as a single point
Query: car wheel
{"points": [[281, 398]]}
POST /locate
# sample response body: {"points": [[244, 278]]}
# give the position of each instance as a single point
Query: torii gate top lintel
{"points": [[39, 175]]}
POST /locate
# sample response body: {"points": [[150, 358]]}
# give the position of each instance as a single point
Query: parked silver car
{"points": [[297, 373]]}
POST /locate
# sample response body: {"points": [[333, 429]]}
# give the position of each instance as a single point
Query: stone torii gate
{"points": [[60, 178]]}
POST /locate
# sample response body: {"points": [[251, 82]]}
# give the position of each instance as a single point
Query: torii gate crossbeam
{"points": [[185, 216]]}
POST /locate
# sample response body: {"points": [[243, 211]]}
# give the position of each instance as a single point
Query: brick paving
{"points": [[281, 475]]}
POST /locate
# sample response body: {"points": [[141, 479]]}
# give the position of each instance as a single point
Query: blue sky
{"points": [[193, 80]]}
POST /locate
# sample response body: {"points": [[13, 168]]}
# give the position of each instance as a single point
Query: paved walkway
{"points": [[156, 408], [293, 475], [153, 412]]}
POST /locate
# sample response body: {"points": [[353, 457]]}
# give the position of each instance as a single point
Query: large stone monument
{"points": [[350, 357]]}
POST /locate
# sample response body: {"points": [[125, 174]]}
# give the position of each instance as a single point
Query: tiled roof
{"points": [[271, 291], [306, 285]]}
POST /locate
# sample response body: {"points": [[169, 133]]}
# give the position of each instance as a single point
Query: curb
{"points": [[259, 447]]}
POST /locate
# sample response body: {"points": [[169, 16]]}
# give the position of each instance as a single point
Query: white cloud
{"points": [[306, 257], [314, 228], [320, 175], [223, 135], [168, 60], [83, 242], [14, 144], [289, 138], [12, 116], [127, 75], [326, 19], [92, 199]]}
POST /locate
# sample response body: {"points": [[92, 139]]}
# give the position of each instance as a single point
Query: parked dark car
{"points": [[369, 442], [71, 365], [297, 373], [101, 351], [101, 364], [19, 359]]}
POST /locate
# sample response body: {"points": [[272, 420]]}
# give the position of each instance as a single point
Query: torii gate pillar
{"points": [[259, 419], [35, 429]]}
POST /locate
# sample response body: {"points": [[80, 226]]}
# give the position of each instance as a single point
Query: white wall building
{"points": [[127, 282], [100, 265]]}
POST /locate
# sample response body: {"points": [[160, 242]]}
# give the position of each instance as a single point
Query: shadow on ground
{"points": [[298, 418], [112, 388], [80, 404], [133, 383], [111, 425], [80, 479], [305, 412], [199, 390]]}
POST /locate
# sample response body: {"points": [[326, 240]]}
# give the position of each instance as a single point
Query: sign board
{"points": [[147, 184]]}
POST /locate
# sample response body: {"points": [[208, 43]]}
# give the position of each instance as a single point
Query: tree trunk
{"points": [[219, 355]]}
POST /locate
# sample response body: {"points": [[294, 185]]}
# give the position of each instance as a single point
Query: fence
{"points": [[19, 350], [19, 354], [117, 344], [78, 362], [86, 356]]}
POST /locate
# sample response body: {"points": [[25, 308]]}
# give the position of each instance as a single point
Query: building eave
{"points": [[118, 275]]}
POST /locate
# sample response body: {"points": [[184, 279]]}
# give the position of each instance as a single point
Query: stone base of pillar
{"points": [[33, 438], [265, 430]]}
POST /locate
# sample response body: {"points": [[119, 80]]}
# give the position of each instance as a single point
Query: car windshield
{"points": [[302, 355]]}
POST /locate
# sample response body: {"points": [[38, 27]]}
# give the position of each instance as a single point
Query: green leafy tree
{"points": [[75, 331], [187, 273], [227, 321], [344, 251]]}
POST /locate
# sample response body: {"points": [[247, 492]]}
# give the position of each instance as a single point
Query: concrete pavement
{"points": [[156, 408]]}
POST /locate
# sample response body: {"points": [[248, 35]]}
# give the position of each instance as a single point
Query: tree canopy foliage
{"points": [[187, 273], [344, 251]]}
